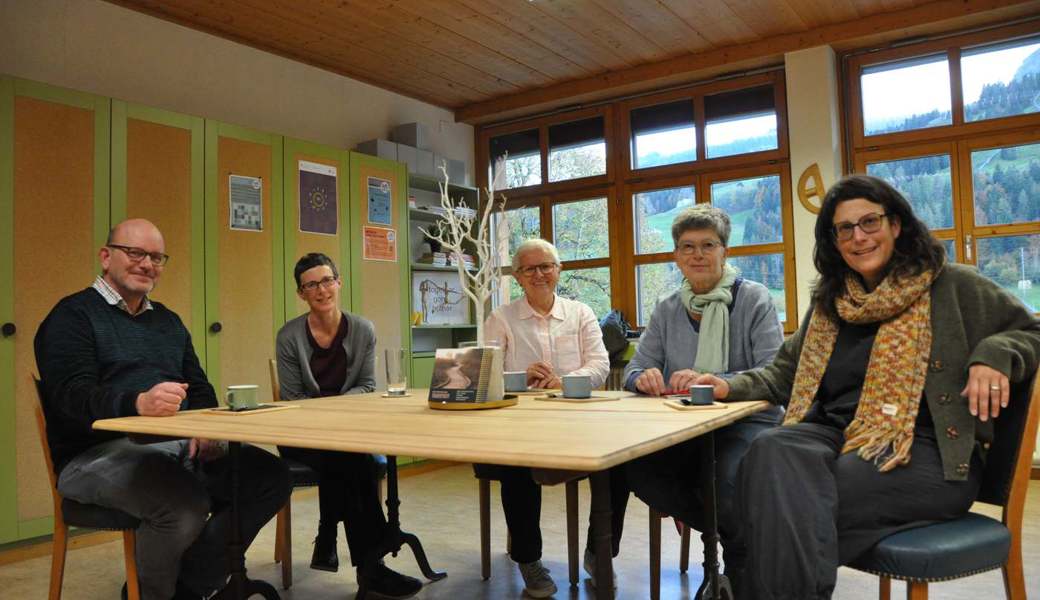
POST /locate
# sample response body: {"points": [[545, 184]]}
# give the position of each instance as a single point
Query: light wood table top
{"points": [[589, 436]]}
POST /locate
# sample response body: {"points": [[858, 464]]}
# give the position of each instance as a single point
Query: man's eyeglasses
{"points": [[325, 282], [137, 254], [869, 223], [544, 269], [706, 248]]}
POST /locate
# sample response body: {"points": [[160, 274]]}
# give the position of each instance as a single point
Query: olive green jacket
{"points": [[973, 321]]}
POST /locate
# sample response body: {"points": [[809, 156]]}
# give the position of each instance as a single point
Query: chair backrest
{"points": [[276, 391], [41, 428], [1009, 460]]}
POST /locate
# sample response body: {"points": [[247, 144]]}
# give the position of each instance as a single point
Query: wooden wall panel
{"points": [[54, 254], [245, 270], [158, 183]]}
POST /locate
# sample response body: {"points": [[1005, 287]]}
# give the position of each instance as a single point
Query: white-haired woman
{"points": [[549, 337]]}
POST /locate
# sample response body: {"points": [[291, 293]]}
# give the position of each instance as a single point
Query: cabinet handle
{"points": [[216, 327], [8, 329]]}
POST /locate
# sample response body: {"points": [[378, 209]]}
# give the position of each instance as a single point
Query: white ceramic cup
{"points": [[577, 386], [242, 397]]}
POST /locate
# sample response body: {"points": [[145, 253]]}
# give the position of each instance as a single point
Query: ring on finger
{"points": [[994, 387]]}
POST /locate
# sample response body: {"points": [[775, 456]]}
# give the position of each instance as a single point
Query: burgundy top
{"points": [[329, 365]]}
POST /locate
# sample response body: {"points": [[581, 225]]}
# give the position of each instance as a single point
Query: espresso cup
{"points": [[242, 397], [577, 386], [515, 381], [702, 395]]}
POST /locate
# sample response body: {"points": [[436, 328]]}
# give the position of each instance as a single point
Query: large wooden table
{"points": [[555, 435]]}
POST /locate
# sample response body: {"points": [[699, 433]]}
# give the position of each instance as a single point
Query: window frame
{"points": [[958, 140], [621, 181]]}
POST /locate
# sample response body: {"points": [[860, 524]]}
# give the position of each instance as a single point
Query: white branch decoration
{"points": [[456, 229]]}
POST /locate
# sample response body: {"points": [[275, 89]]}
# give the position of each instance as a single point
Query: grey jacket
{"points": [[294, 358], [973, 321], [669, 342]]}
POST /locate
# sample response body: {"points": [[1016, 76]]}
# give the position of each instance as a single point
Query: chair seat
{"points": [[971, 544], [96, 517], [300, 474]]}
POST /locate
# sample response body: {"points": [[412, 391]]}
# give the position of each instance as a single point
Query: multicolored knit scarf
{"points": [[883, 428]]}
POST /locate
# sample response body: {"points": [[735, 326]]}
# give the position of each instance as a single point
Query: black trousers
{"points": [[522, 505], [670, 481], [348, 491], [807, 508]]}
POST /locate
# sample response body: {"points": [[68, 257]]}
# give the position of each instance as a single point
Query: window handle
{"points": [[967, 248]]}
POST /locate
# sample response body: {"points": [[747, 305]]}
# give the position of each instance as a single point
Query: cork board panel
{"points": [[380, 281], [54, 255], [158, 188], [311, 242], [246, 266]]}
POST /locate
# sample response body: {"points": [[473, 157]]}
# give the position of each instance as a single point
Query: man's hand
{"points": [[680, 381], [541, 375], [205, 450], [163, 400], [651, 382]]}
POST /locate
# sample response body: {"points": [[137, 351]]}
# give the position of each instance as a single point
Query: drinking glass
{"points": [[396, 380]]}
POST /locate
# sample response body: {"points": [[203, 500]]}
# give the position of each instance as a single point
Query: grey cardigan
{"points": [[669, 342], [294, 358], [973, 321]]}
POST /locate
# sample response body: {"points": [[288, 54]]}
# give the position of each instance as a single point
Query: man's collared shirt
{"points": [[114, 299], [568, 338]]}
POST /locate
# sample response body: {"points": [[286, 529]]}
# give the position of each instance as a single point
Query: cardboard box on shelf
{"points": [[407, 155], [411, 134], [381, 148]]}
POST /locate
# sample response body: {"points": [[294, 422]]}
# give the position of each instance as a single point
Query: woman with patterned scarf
{"points": [[891, 385], [715, 322]]}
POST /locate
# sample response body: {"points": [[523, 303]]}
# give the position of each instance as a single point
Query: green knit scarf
{"points": [[713, 341]]}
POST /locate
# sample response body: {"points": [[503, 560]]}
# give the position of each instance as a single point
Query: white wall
{"points": [[96, 47], [813, 125]]}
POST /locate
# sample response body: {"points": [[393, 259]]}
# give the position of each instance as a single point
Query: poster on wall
{"points": [[245, 199], [318, 208], [380, 243], [379, 195], [438, 299]]}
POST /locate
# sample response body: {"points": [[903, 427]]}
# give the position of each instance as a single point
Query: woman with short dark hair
{"points": [[890, 385], [331, 352]]}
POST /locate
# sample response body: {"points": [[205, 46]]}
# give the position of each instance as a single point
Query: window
{"points": [[509, 231], [1001, 80], [663, 134], [906, 95], [723, 142], [577, 149], [654, 212], [974, 177], [740, 122], [522, 154]]}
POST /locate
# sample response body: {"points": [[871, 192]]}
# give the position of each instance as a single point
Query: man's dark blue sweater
{"points": [[95, 358]]}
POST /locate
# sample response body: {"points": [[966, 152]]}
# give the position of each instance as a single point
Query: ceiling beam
{"points": [[917, 20]]}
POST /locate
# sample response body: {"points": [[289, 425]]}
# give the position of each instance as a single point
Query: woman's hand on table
{"points": [[651, 382], [680, 381], [721, 385], [541, 375], [988, 391]]}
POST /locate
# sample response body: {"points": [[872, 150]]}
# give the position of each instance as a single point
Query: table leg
{"points": [[714, 586], [240, 587], [393, 537], [599, 481]]}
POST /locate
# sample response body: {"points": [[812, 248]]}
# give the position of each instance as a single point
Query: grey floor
{"points": [[441, 507]]}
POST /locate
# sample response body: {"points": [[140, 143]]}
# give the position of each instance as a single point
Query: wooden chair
{"points": [[973, 543], [69, 512], [302, 476], [484, 497], [655, 552]]}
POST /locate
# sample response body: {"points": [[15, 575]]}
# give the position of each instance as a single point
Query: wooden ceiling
{"points": [[492, 59]]}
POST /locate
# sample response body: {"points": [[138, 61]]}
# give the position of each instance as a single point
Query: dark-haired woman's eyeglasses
{"points": [[326, 282], [869, 223]]}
